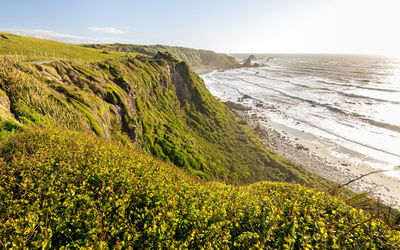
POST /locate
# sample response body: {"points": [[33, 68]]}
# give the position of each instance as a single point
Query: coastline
{"points": [[203, 70], [311, 154]]}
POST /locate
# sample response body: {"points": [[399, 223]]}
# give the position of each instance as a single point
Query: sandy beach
{"points": [[307, 151]]}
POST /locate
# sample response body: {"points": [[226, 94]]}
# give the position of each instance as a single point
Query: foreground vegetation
{"points": [[61, 188]]}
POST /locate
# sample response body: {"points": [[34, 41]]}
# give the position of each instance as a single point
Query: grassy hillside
{"points": [[155, 103], [194, 57], [24, 48], [61, 188]]}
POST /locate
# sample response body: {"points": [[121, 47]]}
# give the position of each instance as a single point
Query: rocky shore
{"points": [[248, 63], [310, 153]]}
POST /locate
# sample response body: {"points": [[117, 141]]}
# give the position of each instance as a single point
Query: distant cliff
{"points": [[194, 57]]}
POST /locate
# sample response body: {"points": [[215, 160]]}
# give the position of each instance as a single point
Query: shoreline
{"points": [[307, 151], [203, 70]]}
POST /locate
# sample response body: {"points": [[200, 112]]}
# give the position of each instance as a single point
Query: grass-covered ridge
{"points": [[62, 188], [25, 48], [194, 57], [154, 103]]}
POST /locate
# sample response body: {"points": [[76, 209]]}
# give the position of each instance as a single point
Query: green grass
{"points": [[95, 125], [23, 48], [66, 189], [7, 126]]}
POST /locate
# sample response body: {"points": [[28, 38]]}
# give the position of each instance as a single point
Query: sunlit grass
{"points": [[23, 48], [62, 188]]}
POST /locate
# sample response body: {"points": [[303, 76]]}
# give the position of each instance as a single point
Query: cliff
{"points": [[194, 57]]}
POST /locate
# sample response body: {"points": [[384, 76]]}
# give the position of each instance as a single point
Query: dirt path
{"points": [[45, 61]]}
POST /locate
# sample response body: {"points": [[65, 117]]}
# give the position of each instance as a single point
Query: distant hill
{"points": [[194, 57]]}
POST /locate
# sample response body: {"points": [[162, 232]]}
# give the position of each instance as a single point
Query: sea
{"points": [[351, 103]]}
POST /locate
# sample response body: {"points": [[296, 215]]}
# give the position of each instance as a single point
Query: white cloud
{"points": [[109, 30], [46, 34], [67, 38]]}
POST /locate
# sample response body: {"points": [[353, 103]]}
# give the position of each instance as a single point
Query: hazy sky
{"points": [[274, 26]]}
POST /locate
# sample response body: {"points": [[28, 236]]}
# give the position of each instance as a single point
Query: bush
{"points": [[66, 189]]}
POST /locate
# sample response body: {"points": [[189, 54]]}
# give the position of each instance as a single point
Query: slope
{"points": [[23, 48], [66, 189], [154, 103]]}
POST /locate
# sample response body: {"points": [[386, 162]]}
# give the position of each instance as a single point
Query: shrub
{"points": [[65, 189]]}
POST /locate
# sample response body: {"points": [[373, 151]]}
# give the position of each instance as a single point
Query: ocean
{"points": [[349, 103]]}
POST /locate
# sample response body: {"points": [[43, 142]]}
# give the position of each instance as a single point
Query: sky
{"points": [[230, 26]]}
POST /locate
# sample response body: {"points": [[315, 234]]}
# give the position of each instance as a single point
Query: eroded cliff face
{"points": [[183, 84], [5, 111], [4, 101]]}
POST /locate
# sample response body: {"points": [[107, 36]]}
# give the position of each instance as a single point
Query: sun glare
{"points": [[360, 27], [371, 25]]}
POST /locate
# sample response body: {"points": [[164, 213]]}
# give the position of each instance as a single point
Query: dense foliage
{"points": [[61, 188]]}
